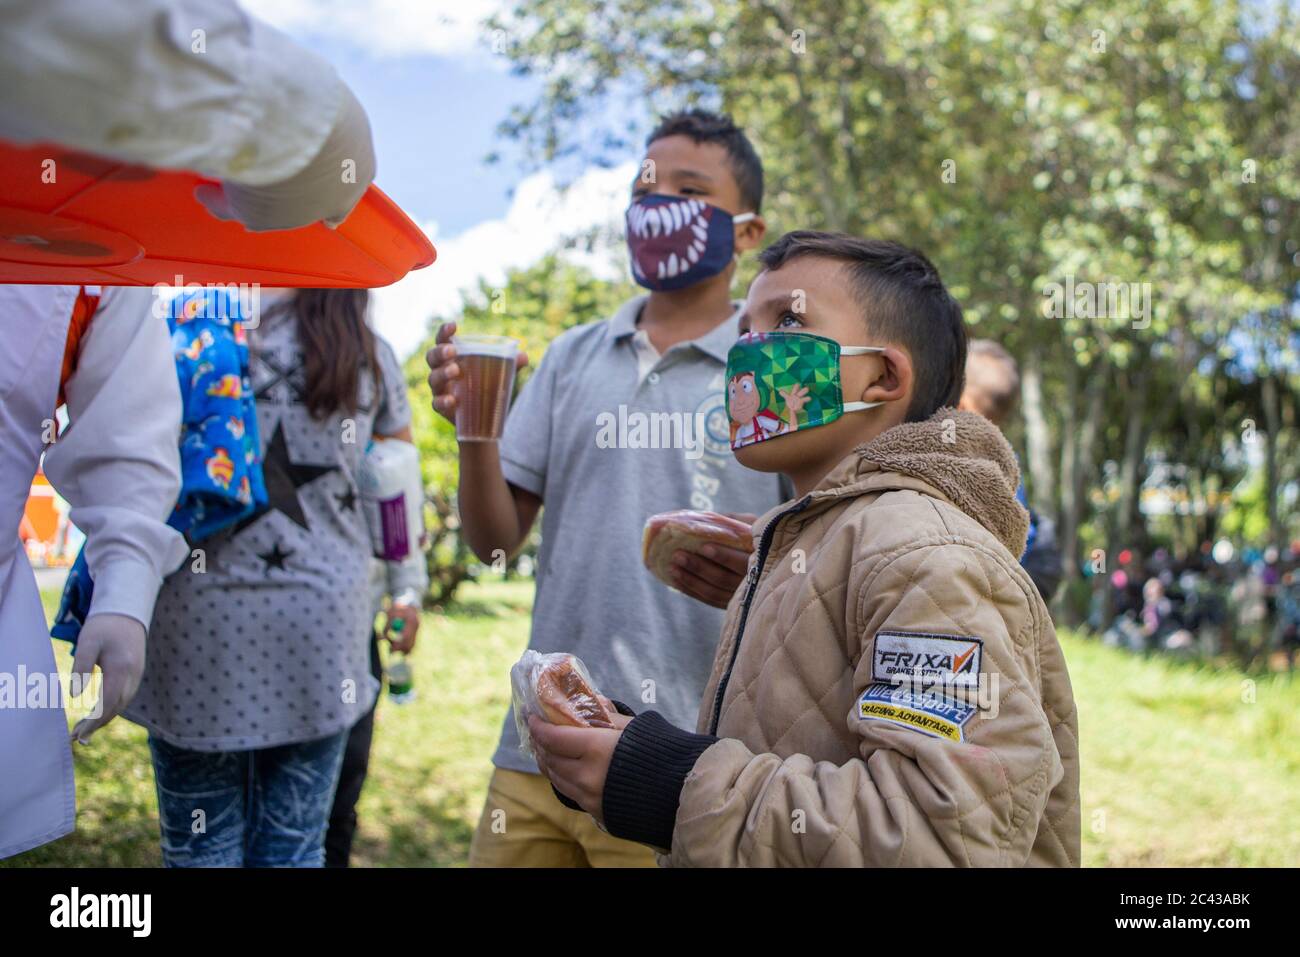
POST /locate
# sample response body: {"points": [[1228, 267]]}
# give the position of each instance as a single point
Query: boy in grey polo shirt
{"points": [[623, 419]]}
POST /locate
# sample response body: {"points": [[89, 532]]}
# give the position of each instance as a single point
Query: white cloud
{"points": [[539, 220], [386, 27]]}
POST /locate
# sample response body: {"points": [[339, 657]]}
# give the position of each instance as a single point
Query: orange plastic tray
{"points": [[87, 220]]}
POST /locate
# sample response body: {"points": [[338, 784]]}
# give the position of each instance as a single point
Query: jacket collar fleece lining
{"points": [[960, 457]]}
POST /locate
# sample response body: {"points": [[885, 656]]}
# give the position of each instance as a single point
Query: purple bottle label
{"points": [[396, 544]]}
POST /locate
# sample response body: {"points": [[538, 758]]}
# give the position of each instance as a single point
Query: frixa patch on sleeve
{"points": [[908, 657], [923, 711]]}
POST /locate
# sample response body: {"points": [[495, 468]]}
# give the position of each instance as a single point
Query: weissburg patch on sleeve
{"points": [[905, 657], [923, 711]]}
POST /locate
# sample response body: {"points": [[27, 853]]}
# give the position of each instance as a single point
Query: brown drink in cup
{"points": [[487, 377]]}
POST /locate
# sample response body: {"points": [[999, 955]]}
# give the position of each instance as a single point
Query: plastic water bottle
{"points": [[401, 681], [392, 498]]}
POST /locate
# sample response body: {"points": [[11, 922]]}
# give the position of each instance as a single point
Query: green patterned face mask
{"points": [[779, 382]]}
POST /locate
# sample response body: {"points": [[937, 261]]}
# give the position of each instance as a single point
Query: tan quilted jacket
{"points": [[835, 749]]}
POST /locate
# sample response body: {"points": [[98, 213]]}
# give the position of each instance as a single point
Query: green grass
{"points": [[1179, 767], [1184, 765], [428, 769]]}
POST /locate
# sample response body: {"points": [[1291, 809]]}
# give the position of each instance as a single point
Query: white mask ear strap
{"points": [[736, 220], [860, 351]]}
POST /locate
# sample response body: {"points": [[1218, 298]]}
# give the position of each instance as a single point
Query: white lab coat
{"points": [[118, 466], [174, 84]]}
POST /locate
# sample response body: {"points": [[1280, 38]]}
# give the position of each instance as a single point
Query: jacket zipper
{"points": [[764, 543]]}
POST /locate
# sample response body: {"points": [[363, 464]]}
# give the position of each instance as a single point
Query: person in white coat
{"points": [[118, 466], [196, 85]]}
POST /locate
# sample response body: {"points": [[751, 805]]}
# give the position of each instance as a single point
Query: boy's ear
{"points": [[750, 234], [893, 379]]}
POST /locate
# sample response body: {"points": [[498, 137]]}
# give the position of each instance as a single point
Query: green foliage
{"points": [[1246, 518], [1018, 143]]}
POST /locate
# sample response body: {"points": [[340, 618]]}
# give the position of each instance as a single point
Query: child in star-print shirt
{"points": [[260, 644]]}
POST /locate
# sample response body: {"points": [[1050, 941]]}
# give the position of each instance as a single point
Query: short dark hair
{"points": [[705, 127], [996, 395], [904, 301]]}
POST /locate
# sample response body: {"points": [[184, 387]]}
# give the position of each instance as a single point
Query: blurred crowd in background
{"points": [[1209, 603]]}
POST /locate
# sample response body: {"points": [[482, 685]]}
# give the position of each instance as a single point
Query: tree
{"points": [[1020, 144]]}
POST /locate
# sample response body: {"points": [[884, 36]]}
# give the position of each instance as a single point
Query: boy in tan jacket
{"points": [[888, 689]]}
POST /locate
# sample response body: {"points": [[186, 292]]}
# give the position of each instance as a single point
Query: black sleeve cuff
{"points": [[646, 774], [622, 709]]}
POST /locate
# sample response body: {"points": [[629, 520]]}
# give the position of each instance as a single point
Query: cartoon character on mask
{"points": [[801, 368], [752, 420]]}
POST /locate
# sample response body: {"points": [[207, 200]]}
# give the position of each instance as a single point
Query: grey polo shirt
{"points": [[608, 435]]}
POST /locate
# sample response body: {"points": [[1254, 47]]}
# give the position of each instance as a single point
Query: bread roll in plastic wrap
{"points": [[559, 689], [688, 530]]}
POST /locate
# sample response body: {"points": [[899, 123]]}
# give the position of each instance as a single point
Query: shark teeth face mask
{"points": [[675, 242], [780, 382]]}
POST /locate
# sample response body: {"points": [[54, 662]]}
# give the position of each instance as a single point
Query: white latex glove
{"points": [[116, 644], [318, 192]]}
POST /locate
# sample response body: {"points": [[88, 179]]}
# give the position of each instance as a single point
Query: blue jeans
{"points": [[263, 808]]}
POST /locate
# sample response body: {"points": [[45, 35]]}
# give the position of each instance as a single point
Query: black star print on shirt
{"points": [[284, 382], [348, 500], [283, 479], [275, 557]]}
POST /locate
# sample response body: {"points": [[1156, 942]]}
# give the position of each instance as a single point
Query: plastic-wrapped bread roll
{"points": [[565, 696], [689, 531], [558, 688]]}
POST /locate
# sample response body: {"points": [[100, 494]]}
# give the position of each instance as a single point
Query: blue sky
{"points": [[435, 93], [434, 121]]}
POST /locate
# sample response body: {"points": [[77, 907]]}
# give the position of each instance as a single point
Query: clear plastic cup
{"points": [[487, 378]]}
